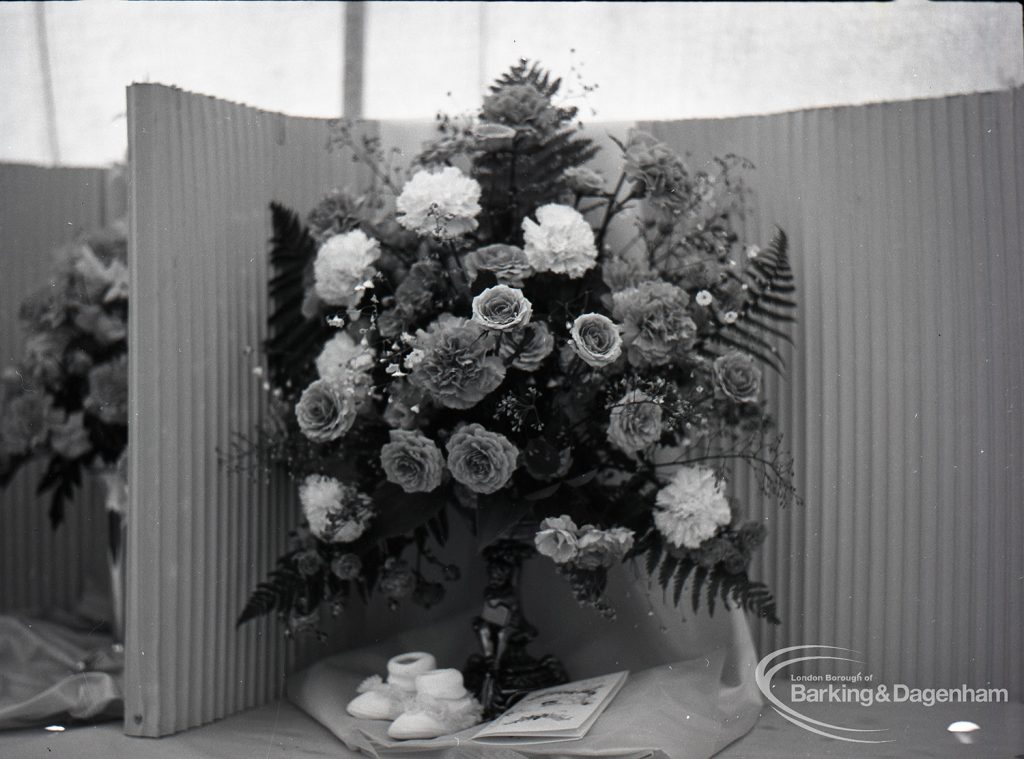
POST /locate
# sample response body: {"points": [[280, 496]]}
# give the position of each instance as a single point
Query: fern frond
{"points": [[293, 341], [278, 593], [525, 72], [64, 478], [710, 586], [768, 280]]}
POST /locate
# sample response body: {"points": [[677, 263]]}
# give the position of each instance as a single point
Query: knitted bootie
{"points": [[442, 706], [387, 700]]}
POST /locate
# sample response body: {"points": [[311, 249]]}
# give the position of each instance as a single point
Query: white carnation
{"points": [[560, 241], [442, 204], [691, 508], [336, 512], [345, 363], [342, 264]]}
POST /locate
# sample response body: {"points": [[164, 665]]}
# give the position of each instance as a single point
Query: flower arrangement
{"points": [[502, 335], [66, 400]]}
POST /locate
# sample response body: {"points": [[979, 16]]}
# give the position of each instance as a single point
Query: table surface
{"points": [[281, 731]]}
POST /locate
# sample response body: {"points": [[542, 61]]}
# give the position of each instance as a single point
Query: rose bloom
{"points": [[508, 263], [339, 210], [583, 181], [106, 328], [397, 580], [453, 365], [348, 566], [108, 391], [405, 403], [656, 326], [336, 512], [442, 204], [596, 340], [556, 539], [308, 562], [560, 241], [412, 461], [24, 424], [325, 411], [501, 308], [43, 355], [691, 508], [602, 548], [520, 105], [652, 163], [527, 347], [78, 362], [622, 273], [481, 460], [634, 422], [70, 438], [420, 290], [737, 377], [342, 264]]}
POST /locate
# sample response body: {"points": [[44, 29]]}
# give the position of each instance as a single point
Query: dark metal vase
{"points": [[505, 671]]}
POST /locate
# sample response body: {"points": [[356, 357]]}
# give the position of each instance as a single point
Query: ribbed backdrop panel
{"points": [[203, 172], [41, 209], [903, 399]]}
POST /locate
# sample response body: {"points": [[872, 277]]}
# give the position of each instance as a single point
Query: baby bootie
{"points": [[387, 700], [442, 706]]}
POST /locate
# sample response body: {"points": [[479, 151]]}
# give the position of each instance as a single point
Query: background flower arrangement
{"points": [[467, 340], [66, 400]]}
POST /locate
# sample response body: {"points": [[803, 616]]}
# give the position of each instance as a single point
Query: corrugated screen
{"points": [[203, 172], [43, 208], [903, 400]]}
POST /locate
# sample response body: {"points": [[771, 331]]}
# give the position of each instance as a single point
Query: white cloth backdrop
{"points": [[903, 216]]}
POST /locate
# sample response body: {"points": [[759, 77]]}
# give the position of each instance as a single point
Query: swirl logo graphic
{"points": [[766, 670]]}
